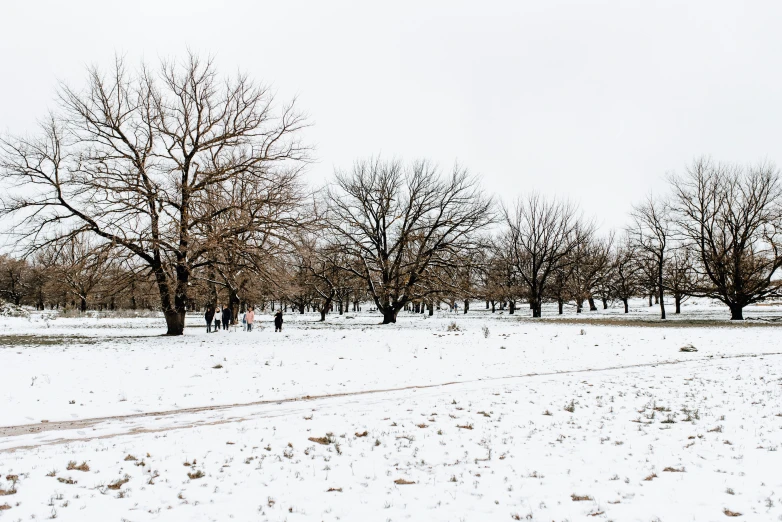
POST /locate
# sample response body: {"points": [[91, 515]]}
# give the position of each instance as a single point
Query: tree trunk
{"points": [[579, 305], [83, 303], [389, 316], [661, 297], [466, 306], [431, 307], [175, 322], [493, 306], [736, 312], [650, 300], [512, 307], [233, 303], [678, 299], [605, 303], [627, 308], [561, 305], [592, 307]]}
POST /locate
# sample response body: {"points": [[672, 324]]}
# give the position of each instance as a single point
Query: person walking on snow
{"points": [[227, 316], [208, 316], [218, 315], [249, 317], [278, 321]]}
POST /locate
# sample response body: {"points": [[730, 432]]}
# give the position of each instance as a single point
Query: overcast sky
{"points": [[594, 101]]}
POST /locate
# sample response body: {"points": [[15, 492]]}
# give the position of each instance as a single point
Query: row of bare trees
{"points": [[188, 184]]}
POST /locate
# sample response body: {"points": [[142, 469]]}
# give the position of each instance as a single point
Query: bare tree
{"points": [[652, 231], [81, 267], [680, 278], [539, 237], [590, 261], [733, 216], [14, 275], [625, 280], [406, 226], [131, 159]]}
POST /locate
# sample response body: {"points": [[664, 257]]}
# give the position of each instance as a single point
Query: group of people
{"points": [[225, 316], [220, 317]]}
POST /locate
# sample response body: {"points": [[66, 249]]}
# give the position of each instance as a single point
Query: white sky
{"points": [[594, 101]]}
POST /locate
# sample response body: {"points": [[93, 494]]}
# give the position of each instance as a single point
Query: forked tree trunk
{"points": [[325, 308]]}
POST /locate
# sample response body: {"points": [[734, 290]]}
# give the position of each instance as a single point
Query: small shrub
{"points": [[453, 327], [485, 330], [571, 407]]}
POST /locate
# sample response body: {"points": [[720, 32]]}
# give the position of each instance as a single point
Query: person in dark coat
{"points": [[209, 315], [278, 321], [228, 316]]}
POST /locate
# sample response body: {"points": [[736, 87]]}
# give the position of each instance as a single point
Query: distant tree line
{"points": [[175, 189]]}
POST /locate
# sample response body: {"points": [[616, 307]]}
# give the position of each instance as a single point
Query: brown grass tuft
{"points": [[81, 467], [118, 483], [403, 482], [580, 498], [730, 513]]}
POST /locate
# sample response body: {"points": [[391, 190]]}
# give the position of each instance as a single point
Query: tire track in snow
{"points": [[177, 419]]}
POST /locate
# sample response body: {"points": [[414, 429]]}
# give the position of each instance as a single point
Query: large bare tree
{"points": [[540, 235], [733, 216], [131, 159], [406, 226], [652, 232]]}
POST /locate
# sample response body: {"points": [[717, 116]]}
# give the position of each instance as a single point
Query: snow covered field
{"points": [[559, 419]]}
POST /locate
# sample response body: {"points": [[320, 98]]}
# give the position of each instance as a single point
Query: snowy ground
{"points": [[479, 424]]}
